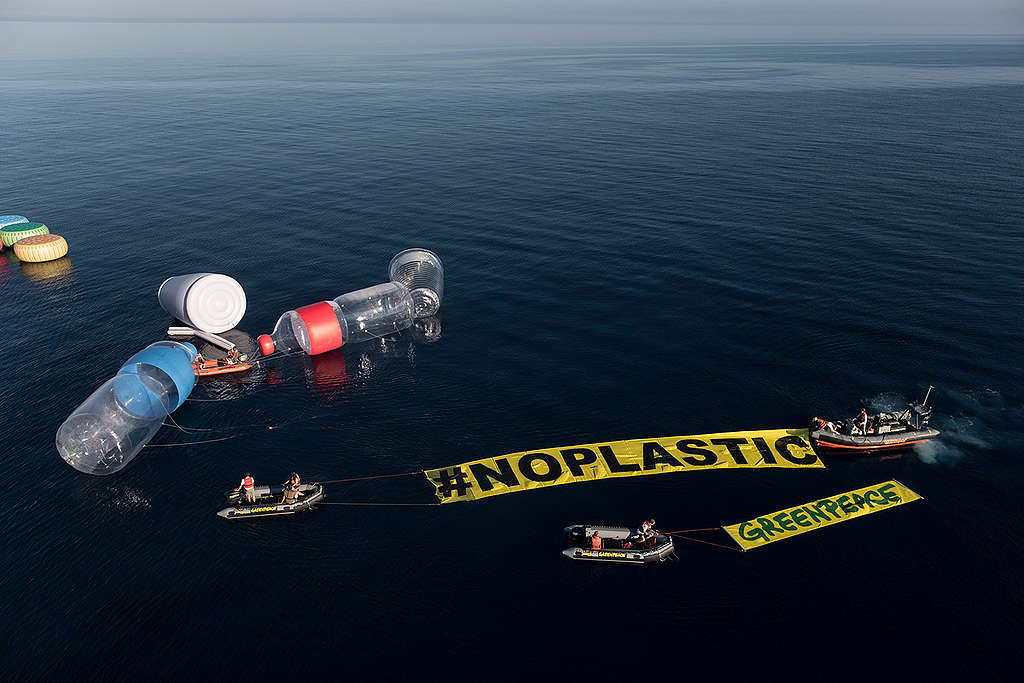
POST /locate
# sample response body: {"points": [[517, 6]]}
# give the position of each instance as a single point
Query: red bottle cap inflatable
{"points": [[266, 344]]}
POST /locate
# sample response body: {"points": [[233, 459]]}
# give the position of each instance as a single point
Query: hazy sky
{"points": [[990, 14]]}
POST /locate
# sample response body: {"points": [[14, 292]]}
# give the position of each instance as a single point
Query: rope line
{"points": [[378, 476], [688, 531], [384, 504], [697, 540], [187, 443]]}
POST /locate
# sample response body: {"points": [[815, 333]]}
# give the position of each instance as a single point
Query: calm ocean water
{"points": [[645, 233]]}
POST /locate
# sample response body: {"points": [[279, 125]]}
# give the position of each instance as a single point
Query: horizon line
{"points": [[481, 21]]}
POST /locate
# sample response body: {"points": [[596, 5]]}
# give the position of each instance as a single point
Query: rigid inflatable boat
{"points": [[618, 544], [268, 502], [885, 431]]}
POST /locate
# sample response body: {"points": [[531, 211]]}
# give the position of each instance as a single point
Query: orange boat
{"points": [[219, 367]]}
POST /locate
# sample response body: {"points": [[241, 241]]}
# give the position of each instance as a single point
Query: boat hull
{"points": [[857, 443], [267, 504], [212, 368], [657, 549]]}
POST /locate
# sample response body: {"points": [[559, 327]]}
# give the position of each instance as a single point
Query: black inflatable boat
{"points": [[618, 544], [268, 502]]}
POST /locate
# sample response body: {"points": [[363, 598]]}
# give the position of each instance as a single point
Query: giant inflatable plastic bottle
{"points": [[415, 291], [103, 434], [351, 318]]}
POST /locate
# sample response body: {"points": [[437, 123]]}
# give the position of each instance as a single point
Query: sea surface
{"points": [[646, 231]]}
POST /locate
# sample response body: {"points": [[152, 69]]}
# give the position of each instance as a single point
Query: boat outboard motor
{"points": [[922, 413]]}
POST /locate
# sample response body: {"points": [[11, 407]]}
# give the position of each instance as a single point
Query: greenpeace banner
{"points": [[638, 457], [825, 512]]}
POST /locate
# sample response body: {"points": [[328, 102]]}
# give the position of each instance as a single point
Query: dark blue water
{"points": [[641, 238]]}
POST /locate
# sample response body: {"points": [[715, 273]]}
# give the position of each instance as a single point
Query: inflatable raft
{"points": [[268, 502], [618, 544], [884, 432], [219, 367]]}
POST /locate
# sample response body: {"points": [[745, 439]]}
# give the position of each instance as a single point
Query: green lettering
{"points": [[799, 517], [867, 498], [830, 507], [816, 514], [755, 533], [888, 493], [847, 506], [767, 525], [858, 500], [783, 520]]}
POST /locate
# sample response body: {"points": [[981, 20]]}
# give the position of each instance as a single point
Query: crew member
{"points": [[861, 421], [232, 357], [646, 529], [250, 487], [818, 423], [595, 541], [291, 494], [291, 487]]}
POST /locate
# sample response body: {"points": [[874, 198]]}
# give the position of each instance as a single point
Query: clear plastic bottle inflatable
{"points": [[111, 426], [349, 319], [422, 272]]}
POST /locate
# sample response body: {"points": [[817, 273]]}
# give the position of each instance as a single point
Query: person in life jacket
{"points": [[250, 487], [595, 541]]}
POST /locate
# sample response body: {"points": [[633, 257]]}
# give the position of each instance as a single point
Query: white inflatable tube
{"points": [[206, 301], [219, 342]]}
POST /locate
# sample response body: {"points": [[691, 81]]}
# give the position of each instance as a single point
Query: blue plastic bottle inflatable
{"points": [[111, 426]]}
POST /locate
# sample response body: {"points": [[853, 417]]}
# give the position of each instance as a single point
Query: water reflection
{"points": [[378, 355], [49, 272], [328, 374], [426, 330]]}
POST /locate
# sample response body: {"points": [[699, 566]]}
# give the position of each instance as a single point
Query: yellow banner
{"points": [[825, 512], [638, 457]]}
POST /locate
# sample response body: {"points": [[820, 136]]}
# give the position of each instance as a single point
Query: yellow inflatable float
{"points": [[40, 248]]}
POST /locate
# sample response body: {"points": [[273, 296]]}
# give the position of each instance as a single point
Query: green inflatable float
{"points": [[9, 234]]}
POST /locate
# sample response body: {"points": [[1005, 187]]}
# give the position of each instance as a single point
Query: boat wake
{"points": [[972, 420]]}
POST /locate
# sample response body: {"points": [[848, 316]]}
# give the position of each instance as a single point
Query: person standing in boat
{"points": [[595, 541], [646, 529], [861, 421], [249, 484]]}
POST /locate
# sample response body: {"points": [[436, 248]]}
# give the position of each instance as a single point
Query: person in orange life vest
{"points": [[595, 541], [250, 487]]}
